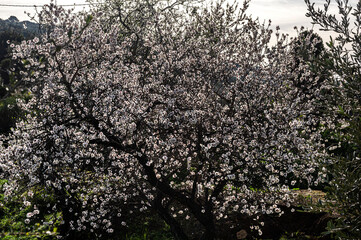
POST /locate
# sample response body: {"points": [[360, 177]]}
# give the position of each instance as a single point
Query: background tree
{"points": [[309, 49], [114, 130], [10, 79], [344, 135]]}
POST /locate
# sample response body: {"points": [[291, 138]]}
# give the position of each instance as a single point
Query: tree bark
{"points": [[175, 227], [209, 234], [210, 230]]}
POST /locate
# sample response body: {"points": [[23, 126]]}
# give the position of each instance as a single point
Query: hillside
{"points": [[25, 28]]}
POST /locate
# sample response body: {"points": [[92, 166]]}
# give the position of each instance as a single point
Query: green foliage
{"points": [[343, 136], [336, 229], [145, 227], [10, 113], [10, 80], [145, 233], [13, 218], [88, 20]]}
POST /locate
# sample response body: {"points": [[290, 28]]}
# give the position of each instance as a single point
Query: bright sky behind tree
{"points": [[283, 13]]}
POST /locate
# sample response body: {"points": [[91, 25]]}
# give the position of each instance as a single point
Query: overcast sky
{"points": [[6, 11], [284, 13]]}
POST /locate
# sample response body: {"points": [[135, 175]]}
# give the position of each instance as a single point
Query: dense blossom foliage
{"points": [[198, 110]]}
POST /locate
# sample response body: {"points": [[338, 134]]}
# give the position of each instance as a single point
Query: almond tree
{"points": [[203, 122]]}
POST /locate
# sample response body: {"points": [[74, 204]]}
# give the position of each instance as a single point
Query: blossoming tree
{"points": [[197, 117]]}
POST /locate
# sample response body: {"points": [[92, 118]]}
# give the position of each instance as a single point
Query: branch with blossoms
{"points": [[197, 114]]}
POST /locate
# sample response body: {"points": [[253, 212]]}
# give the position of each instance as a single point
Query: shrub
{"points": [[344, 133]]}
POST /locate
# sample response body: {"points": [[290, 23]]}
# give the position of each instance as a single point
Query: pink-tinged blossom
{"points": [[196, 109]]}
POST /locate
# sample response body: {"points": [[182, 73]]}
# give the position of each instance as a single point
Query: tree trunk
{"points": [[210, 231], [175, 227], [209, 234]]}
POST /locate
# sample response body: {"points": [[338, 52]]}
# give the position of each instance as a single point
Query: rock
{"points": [[242, 234]]}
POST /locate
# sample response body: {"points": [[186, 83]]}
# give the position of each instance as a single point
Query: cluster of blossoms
{"points": [[198, 110]]}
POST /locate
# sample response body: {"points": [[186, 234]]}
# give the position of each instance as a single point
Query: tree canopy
{"points": [[196, 116]]}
